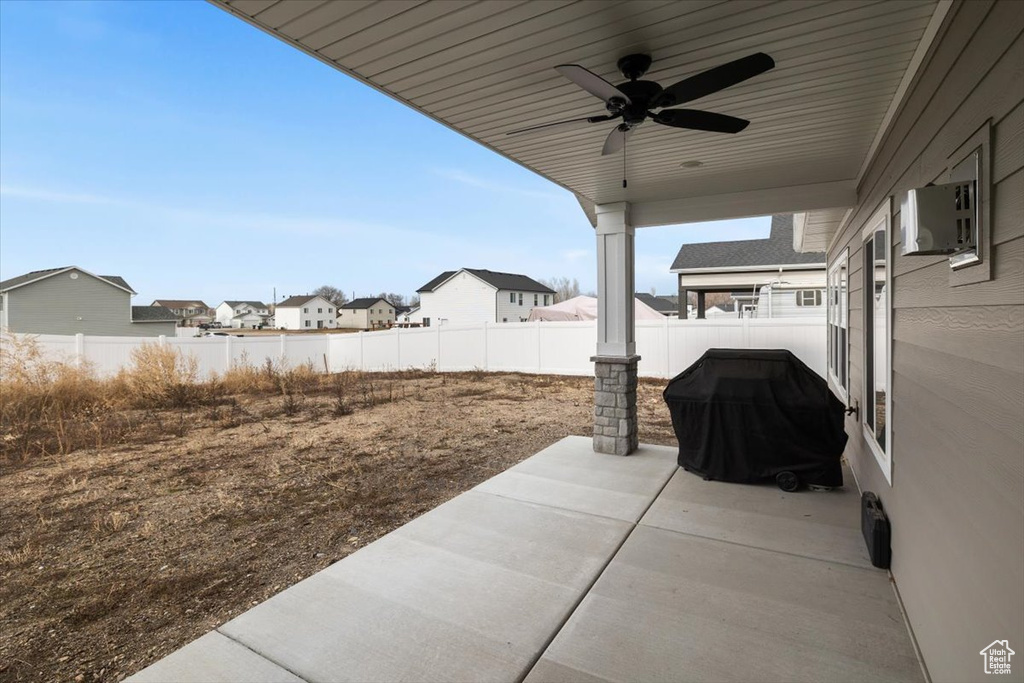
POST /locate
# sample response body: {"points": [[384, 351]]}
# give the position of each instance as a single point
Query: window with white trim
{"points": [[838, 316], [808, 297], [511, 297], [876, 408]]}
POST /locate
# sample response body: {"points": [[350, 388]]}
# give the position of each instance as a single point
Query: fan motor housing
{"points": [[640, 94], [634, 66]]}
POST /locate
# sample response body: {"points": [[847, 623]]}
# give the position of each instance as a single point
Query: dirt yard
{"points": [[111, 559]]}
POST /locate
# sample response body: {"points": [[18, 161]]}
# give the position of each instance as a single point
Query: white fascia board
{"points": [[759, 202], [758, 269], [799, 222]]}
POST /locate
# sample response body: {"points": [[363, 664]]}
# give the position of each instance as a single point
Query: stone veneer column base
{"points": [[615, 423]]}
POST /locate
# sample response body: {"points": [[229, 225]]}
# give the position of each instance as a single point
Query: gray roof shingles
{"points": [[507, 281], [254, 304], [152, 314], [777, 250], [658, 303], [294, 301], [365, 302], [37, 274]]}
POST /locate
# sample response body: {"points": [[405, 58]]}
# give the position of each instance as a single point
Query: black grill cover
{"points": [[744, 415]]}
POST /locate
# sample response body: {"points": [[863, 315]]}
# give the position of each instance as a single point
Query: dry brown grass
{"points": [[55, 407], [117, 555]]}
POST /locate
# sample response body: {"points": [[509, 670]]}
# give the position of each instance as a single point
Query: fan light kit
{"points": [[635, 100]]}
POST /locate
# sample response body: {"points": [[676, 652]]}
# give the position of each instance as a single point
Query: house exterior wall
{"points": [[749, 279], [354, 318], [462, 300], [314, 311], [513, 312], [956, 500], [381, 314], [85, 305], [773, 302], [225, 313]]}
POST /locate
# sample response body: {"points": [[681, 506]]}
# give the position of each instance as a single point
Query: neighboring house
{"points": [[307, 312], [190, 312], [728, 310], [466, 296], [71, 300], [366, 314], [787, 301], [662, 304], [749, 265], [246, 314], [409, 317]]}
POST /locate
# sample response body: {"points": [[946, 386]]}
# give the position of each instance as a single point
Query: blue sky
{"points": [[195, 156]]}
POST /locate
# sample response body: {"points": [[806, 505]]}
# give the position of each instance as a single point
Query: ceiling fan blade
{"points": [[700, 120], [616, 139], [713, 80], [589, 119], [591, 82]]}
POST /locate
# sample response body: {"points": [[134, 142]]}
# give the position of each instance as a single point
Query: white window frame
{"points": [[801, 295], [841, 389], [881, 218]]}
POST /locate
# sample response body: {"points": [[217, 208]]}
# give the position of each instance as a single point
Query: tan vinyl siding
{"points": [[957, 496], [54, 305]]}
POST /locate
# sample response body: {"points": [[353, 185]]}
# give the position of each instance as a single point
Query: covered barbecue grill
{"points": [[745, 415]]}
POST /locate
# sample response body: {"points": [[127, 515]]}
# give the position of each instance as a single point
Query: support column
{"points": [[684, 304], [700, 305], [615, 365]]}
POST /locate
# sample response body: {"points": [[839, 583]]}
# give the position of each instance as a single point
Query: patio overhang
{"points": [[486, 68]]}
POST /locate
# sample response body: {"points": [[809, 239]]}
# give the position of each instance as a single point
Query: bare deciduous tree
{"points": [[563, 286], [332, 294], [396, 299]]}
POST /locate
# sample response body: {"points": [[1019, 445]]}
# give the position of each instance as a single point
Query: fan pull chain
{"points": [[624, 160]]}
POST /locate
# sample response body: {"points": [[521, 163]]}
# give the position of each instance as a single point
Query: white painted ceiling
{"points": [[485, 68]]}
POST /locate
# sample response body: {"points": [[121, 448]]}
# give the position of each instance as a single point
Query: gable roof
{"points": [[658, 303], [180, 303], [494, 279], [777, 250], [36, 275], [153, 314], [254, 304], [295, 301], [365, 302]]}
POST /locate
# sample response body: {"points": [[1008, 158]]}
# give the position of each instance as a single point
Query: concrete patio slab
{"points": [[470, 591], [674, 607], [570, 475], [820, 524], [214, 658], [544, 572]]}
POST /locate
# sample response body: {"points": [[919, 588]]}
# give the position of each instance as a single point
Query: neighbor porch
{"points": [[580, 566]]}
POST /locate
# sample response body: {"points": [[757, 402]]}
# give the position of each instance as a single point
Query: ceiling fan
{"points": [[635, 101]]}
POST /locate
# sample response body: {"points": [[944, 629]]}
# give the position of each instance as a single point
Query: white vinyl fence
{"points": [[565, 348]]}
